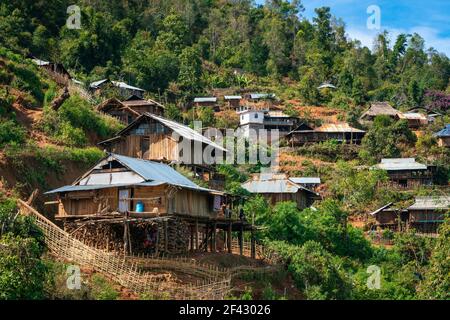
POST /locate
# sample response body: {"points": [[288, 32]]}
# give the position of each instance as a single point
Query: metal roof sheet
{"points": [[262, 96], [381, 209], [412, 116], [337, 127], [400, 164], [232, 97], [273, 186], [205, 99], [444, 132], [306, 180], [96, 84], [326, 85], [40, 62], [185, 131], [124, 85], [154, 173], [431, 203], [72, 188]]}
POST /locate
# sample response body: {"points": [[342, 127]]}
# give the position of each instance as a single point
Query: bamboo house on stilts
{"points": [[139, 206]]}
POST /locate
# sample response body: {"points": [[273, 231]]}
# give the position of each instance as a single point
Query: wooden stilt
{"points": [[166, 237], [253, 244], [196, 235], [241, 240], [192, 238], [214, 238], [230, 227], [206, 238]]}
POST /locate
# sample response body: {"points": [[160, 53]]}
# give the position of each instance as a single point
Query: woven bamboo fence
{"points": [[215, 286]]}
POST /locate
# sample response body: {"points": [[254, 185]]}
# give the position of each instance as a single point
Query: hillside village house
{"points": [[233, 101], [406, 172], [415, 119], [311, 183], [128, 110], [210, 102], [342, 132], [428, 213], [253, 120], [56, 70], [125, 90], [443, 136], [154, 138], [391, 218], [380, 109], [153, 203], [278, 188]]}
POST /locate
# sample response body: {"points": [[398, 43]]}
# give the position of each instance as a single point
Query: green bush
{"points": [[11, 133]]}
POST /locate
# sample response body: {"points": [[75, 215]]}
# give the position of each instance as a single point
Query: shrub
{"points": [[11, 133]]}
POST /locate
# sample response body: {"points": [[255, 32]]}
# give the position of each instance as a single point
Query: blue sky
{"points": [[429, 18]]}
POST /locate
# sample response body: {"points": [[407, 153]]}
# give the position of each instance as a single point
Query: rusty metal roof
{"points": [[273, 186], [337, 127]]}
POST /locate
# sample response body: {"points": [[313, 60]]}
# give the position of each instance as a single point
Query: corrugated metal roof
{"points": [[381, 209], [337, 127], [96, 84], [412, 116], [124, 85], [262, 96], [232, 97], [431, 203], [154, 173], [205, 99], [40, 62], [326, 85], [184, 131], [278, 114], [306, 180], [73, 188], [444, 132], [400, 164], [273, 186]]}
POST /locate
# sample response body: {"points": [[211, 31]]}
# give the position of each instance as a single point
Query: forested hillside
{"points": [[181, 48]]}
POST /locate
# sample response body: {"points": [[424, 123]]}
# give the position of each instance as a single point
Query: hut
{"points": [[427, 213], [311, 183], [153, 204], [443, 136], [342, 132], [125, 90], [233, 101], [415, 119], [57, 70], [406, 172], [210, 102], [128, 110], [277, 188], [378, 109], [391, 218], [151, 137]]}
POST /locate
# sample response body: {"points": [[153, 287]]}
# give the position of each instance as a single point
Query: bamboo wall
{"points": [[302, 200], [155, 199]]}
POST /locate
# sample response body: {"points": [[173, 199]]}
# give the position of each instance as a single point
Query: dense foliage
{"points": [[185, 47]]}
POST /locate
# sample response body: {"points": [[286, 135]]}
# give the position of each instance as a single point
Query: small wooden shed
{"points": [[443, 137], [128, 110], [342, 132], [278, 188], [427, 213]]}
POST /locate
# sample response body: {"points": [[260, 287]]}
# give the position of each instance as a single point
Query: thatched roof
{"points": [[380, 108]]}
